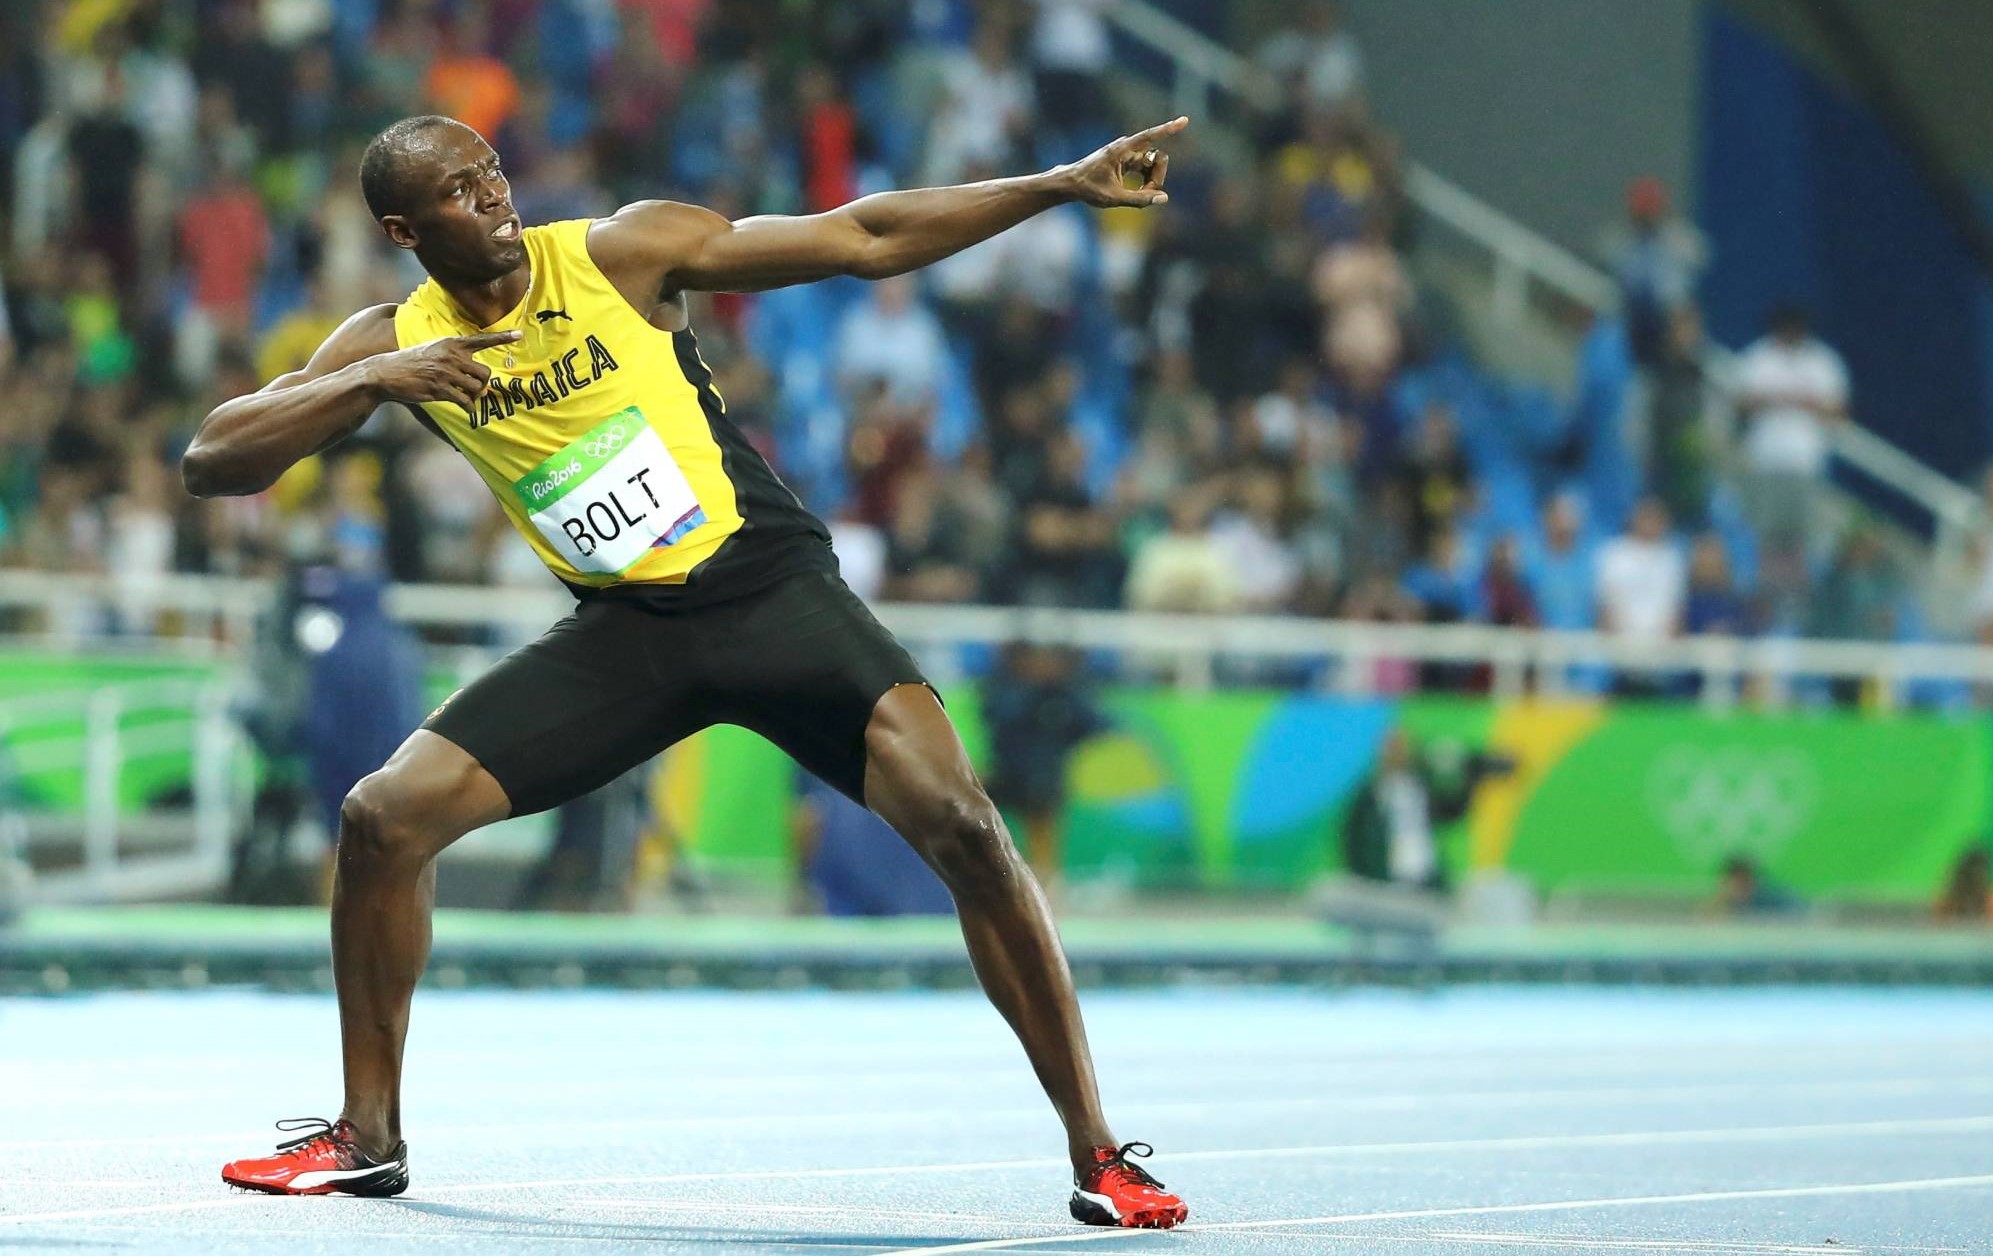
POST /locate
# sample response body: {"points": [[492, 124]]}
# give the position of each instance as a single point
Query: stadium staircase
{"points": [[1528, 311]]}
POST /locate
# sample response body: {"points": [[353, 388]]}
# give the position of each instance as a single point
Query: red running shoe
{"points": [[326, 1159], [1117, 1192]]}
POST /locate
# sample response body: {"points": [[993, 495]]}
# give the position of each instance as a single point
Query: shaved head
{"points": [[393, 155]]}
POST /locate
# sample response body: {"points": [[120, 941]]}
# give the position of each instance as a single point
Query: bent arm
{"points": [[246, 443], [654, 248]]}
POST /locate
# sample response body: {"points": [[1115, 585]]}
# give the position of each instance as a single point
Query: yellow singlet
{"points": [[602, 437]]}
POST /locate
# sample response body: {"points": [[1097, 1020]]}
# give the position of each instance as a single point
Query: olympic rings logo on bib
{"points": [[608, 497], [605, 443]]}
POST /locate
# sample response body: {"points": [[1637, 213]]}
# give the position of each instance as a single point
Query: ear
{"points": [[399, 231]]}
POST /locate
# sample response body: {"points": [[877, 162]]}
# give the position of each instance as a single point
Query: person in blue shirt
{"points": [[1714, 606], [1562, 573]]}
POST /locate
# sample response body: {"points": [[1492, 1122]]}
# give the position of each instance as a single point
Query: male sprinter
{"points": [[558, 360]]}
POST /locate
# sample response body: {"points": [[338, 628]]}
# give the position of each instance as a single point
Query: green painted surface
{"points": [[1828, 803]]}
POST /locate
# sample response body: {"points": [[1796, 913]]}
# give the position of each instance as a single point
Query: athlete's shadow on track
{"points": [[529, 1225]]}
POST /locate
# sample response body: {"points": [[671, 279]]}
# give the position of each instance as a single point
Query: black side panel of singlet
{"points": [[778, 535]]}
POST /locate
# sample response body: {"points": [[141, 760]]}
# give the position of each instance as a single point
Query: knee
{"points": [[968, 848], [379, 825]]}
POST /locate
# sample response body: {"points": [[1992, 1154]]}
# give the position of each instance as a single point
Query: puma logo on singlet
{"points": [[548, 316]]}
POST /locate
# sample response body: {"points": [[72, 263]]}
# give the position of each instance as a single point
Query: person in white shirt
{"points": [[892, 338], [1642, 578], [1316, 56], [1071, 49], [1183, 569], [1791, 389], [986, 105]]}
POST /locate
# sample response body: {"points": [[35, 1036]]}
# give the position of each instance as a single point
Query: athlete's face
{"points": [[461, 221]]}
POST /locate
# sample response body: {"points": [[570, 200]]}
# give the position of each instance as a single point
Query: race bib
{"points": [[610, 495]]}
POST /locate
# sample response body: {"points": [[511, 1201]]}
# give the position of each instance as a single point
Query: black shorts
{"points": [[802, 662]]}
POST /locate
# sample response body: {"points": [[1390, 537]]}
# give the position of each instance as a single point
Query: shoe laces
{"points": [[316, 1128], [1117, 1161]]}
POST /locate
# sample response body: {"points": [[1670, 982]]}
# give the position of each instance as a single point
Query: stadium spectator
{"points": [[1345, 169], [1292, 416], [1175, 402], [985, 107], [1361, 285], [1253, 535], [1070, 50], [935, 552], [1437, 479], [1563, 572], [466, 82], [1967, 897], [861, 549], [1657, 259], [1505, 597], [1679, 430], [1065, 553], [1713, 606], [1744, 891], [1038, 711], [1642, 581], [234, 52], [1445, 583], [292, 339], [1791, 389], [890, 338], [849, 862], [1860, 595], [1184, 569], [107, 155], [828, 140], [138, 542], [1316, 60], [225, 238], [1390, 832]]}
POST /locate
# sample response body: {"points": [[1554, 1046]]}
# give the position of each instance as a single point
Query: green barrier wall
{"points": [[1243, 789], [1247, 789]]}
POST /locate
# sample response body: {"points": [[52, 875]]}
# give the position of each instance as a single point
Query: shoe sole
{"points": [[389, 1181], [1091, 1212]]}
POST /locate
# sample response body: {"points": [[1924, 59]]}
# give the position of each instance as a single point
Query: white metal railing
{"points": [[1194, 650], [104, 854], [1522, 257]]}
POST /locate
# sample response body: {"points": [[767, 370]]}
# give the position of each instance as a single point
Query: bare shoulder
{"points": [[641, 245], [363, 335]]}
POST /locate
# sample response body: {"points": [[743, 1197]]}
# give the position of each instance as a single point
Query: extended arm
{"points": [[655, 248], [246, 443]]}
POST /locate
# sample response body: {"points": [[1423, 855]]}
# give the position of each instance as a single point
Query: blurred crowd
{"points": [[1242, 403]]}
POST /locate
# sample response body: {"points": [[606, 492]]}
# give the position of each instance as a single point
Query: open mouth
{"points": [[506, 231]]}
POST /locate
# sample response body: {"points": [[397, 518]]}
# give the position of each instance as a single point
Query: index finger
{"points": [[487, 339], [1162, 131]]}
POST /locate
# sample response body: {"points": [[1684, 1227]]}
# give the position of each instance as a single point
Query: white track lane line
{"points": [[1412, 1101], [1684, 1245], [1638, 1138], [1511, 1238], [86, 1214], [1641, 1138], [1487, 1210]]}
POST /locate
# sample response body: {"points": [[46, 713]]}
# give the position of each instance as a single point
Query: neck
{"points": [[487, 301]]}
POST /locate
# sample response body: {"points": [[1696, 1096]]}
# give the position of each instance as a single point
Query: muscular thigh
{"points": [[804, 664], [575, 709]]}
